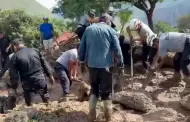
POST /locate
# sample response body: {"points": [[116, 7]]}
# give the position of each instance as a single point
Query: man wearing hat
{"points": [[47, 35], [85, 21], [97, 45]]}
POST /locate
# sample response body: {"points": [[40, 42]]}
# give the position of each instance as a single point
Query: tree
{"points": [[164, 27], [183, 23], [75, 8], [124, 16], [142, 5], [18, 24]]}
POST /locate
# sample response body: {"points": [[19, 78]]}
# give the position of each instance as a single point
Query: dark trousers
{"points": [[40, 87], [101, 82], [148, 54], [63, 76], [12, 94], [182, 60]]}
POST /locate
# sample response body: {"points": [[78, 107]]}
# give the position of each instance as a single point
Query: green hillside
{"points": [[30, 6]]}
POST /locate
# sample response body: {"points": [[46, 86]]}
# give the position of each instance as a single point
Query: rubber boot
{"points": [[92, 108], [108, 110]]}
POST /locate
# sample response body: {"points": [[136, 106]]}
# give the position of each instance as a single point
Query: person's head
{"points": [[106, 19], [45, 19], [155, 43], [17, 44], [134, 24], [91, 13], [111, 11]]}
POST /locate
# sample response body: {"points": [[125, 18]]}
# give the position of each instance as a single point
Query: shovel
{"points": [[131, 52]]}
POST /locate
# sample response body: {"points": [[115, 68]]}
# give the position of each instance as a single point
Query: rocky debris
{"points": [[83, 91], [17, 116], [122, 116], [161, 115], [70, 111], [166, 96], [135, 86], [185, 102], [135, 100]]}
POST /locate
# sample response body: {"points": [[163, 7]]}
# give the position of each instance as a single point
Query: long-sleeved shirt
{"points": [[29, 64], [97, 46]]}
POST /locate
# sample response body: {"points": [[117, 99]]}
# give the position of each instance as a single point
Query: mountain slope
{"points": [[168, 11], [30, 6]]}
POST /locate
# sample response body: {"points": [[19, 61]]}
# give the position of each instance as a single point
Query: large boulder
{"points": [[135, 100], [185, 102], [83, 91], [161, 115], [17, 116]]}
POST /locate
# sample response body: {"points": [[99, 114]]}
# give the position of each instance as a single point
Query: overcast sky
{"points": [[47, 3]]}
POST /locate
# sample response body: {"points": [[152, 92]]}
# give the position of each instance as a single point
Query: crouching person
{"points": [[28, 65], [66, 69], [180, 44]]}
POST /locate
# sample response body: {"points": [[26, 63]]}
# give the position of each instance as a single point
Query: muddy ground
{"points": [[161, 90]]}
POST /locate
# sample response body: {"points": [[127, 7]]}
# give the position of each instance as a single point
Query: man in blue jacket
{"points": [[97, 46]]}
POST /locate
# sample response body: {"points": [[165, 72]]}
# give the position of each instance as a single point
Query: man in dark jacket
{"points": [[29, 65]]}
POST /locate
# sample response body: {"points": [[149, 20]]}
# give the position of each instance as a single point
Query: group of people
{"points": [[100, 51]]}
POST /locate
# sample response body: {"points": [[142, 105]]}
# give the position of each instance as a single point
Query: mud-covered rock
{"points": [[161, 115], [135, 100], [70, 111], [185, 102], [123, 116], [17, 116], [83, 91]]}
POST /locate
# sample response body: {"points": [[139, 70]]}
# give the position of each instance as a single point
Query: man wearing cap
{"points": [[146, 36], [47, 35], [97, 45], [179, 43], [29, 66], [85, 21]]}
